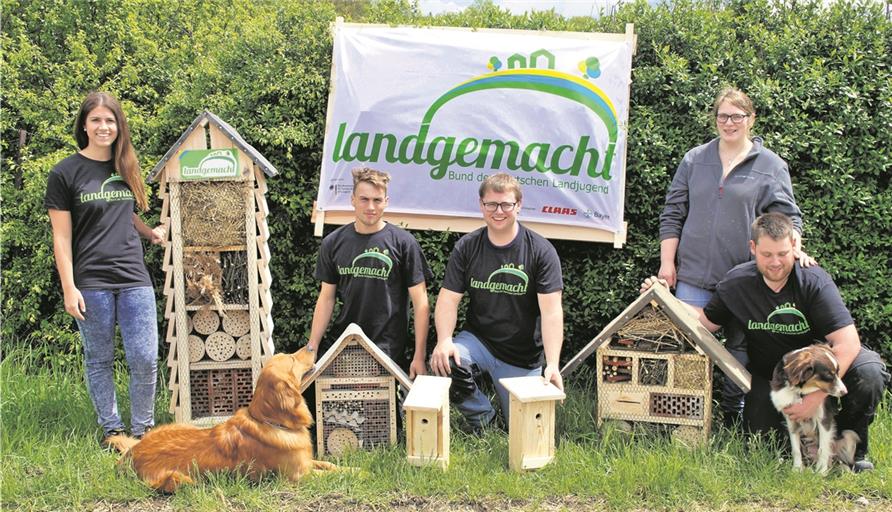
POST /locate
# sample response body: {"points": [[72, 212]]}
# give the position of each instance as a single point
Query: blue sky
{"points": [[566, 8]]}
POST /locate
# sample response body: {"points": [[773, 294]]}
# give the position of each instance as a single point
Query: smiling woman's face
{"points": [[729, 131]]}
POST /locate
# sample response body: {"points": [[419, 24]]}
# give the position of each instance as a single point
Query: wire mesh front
{"points": [[368, 421], [693, 373], [213, 213], [650, 371], [355, 413], [616, 369], [354, 361], [653, 372], [659, 388], [220, 392]]}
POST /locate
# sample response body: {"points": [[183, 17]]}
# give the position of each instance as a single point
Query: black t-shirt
{"points": [[807, 309], [502, 284], [372, 274], [105, 246]]}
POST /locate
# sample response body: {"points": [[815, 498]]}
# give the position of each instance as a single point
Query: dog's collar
{"points": [[270, 423], [278, 426]]}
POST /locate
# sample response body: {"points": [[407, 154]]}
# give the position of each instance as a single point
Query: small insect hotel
{"points": [[355, 394], [216, 264], [654, 364], [427, 421]]}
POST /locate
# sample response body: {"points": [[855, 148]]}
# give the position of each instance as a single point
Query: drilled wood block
{"points": [[220, 346]]}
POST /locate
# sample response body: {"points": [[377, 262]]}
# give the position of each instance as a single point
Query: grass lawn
{"points": [[51, 461]]}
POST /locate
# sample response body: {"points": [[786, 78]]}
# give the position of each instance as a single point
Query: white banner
{"points": [[441, 108]]}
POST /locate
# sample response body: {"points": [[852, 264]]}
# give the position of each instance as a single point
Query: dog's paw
{"points": [[321, 465]]}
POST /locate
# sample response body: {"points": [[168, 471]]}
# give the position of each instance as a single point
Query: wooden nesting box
{"points": [[355, 394], [216, 264], [427, 421], [531, 421], [654, 364]]}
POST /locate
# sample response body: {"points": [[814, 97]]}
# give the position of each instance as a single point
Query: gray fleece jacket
{"points": [[712, 218]]}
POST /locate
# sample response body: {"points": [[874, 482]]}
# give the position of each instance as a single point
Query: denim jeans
{"points": [[133, 309], [692, 295], [477, 408], [732, 395]]}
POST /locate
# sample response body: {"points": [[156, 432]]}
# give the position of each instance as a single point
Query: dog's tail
{"points": [[845, 446], [122, 443]]}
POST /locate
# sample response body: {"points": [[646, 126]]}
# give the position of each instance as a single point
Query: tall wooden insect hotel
{"points": [[356, 395], [654, 364], [216, 264]]}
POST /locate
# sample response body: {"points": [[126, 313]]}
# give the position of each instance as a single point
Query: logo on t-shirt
{"points": [[373, 263], [108, 195], [785, 319], [511, 280]]}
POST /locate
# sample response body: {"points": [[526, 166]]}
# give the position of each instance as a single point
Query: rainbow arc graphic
{"points": [[542, 80]]}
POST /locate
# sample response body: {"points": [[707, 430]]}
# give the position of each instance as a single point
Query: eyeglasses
{"points": [[735, 118], [506, 207]]}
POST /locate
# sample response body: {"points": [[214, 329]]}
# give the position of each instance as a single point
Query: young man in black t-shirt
{"points": [[374, 268], [782, 307], [512, 277]]}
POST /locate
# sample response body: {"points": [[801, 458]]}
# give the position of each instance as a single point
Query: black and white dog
{"points": [[799, 373]]}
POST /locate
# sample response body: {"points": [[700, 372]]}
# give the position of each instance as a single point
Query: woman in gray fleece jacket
{"points": [[717, 192]]}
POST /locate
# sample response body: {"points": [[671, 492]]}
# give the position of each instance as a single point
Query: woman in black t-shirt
{"points": [[90, 197]]}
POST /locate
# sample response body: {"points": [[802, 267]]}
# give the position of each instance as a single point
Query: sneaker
{"points": [[144, 432], [111, 433], [862, 465]]}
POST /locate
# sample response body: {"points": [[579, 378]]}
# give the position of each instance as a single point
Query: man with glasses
{"points": [[513, 279], [374, 268]]}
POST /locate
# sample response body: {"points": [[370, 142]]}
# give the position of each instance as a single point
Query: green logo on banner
{"points": [[580, 157], [202, 164]]}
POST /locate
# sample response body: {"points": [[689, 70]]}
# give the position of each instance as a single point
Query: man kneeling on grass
{"points": [[783, 306], [512, 276]]}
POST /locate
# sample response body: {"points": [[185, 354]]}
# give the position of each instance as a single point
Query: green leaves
{"points": [[821, 79]]}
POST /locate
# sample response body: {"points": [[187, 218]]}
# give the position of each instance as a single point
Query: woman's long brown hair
{"points": [[124, 155]]}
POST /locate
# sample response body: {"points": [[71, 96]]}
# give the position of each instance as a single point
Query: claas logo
{"points": [[558, 210]]}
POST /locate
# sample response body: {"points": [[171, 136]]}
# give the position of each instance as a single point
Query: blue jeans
{"points": [[133, 309], [476, 407], [690, 294], [732, 395]]}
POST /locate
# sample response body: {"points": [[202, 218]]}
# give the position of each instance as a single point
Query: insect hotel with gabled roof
{"points": [[355, 394], [216, 264], [654, 364]]}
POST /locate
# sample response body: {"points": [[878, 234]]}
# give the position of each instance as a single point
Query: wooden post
{"points": [[531, 421], [251, 249], [184, 410], [427, 421]]}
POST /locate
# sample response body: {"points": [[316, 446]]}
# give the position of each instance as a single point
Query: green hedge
{"points": [[820, 78]]}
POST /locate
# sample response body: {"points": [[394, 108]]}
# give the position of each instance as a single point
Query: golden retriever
{"points": [[270, 435]]}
